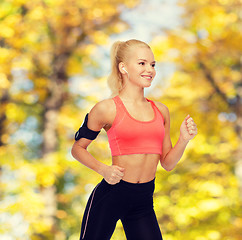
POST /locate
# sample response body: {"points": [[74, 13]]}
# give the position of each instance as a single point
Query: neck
{"points": [[133, 95]]}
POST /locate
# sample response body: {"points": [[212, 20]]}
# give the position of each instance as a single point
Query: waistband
{"points": [[137, 184], [137, 188], [143, 187]]}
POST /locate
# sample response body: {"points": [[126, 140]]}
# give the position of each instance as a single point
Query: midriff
{"points": [[139, 168]]}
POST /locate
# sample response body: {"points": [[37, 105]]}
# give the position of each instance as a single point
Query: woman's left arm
{"points": [[188, 130]]}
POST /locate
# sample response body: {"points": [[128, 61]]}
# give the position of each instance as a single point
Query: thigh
{"points": [[143, 228], [100, 216]]}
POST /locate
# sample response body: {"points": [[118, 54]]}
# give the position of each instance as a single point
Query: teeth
{"points": [[147, 77]]}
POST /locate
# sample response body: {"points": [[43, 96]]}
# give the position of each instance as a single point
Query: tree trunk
{"points": [[238, 129], [52, 108], [3, 101]]}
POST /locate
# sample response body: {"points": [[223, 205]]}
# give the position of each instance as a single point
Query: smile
{"points": [[148, 77]]}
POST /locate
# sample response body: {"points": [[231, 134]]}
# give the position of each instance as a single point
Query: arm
{"points": [[171, 155], [97, 119]]}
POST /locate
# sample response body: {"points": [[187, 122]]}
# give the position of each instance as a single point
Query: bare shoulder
{"points": [[163, 109], [103, 107], [102, 113]]}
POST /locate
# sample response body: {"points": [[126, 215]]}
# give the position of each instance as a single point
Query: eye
{"points": [[153, 65], [142, 63]]}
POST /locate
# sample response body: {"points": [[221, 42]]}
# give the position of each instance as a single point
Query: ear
{"points": [[120, 67]]}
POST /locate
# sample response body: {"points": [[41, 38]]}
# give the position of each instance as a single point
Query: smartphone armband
{"points": [[85, 132]]}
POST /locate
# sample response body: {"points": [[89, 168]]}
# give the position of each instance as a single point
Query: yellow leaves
{"points": [[100, 38], [181, 87], [214, 19], [32, 199], [5, 9], [208, 235], [182, 218], [22, 62], [74, 66], [97, 13], [210, 205], [3, 54], [6, 56], [47, 173], [4, 82], [61, 214], [160, 47], [9, 27], [45, 176], [66, 119], [164, 202], [214, 235], [204, 147], [6, 31], [224, 2], [132, 3], [231, 18], [216, 149], [41, 82], [15, 113], [119, 27], [37, 13], [18, 2], [212, 188], [174, 178]]}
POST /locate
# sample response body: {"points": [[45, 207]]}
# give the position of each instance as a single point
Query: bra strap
{"points": [[156, 108]]}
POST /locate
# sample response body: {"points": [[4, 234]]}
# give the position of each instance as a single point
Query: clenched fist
{"points": [[113, 174], [188, 129]]}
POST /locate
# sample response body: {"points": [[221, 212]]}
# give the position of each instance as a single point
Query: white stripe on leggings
{"points": [[89, 211]]}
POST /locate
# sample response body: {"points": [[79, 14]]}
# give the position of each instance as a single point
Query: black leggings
{"points": [[132, 203]]}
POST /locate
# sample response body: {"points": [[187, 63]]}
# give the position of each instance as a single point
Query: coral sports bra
{"points": [[131, 136]]}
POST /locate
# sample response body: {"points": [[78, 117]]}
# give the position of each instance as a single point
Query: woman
{"points": [[138, 131]]}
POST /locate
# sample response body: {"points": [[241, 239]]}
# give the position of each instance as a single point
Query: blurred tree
{"points": [[42, 44], [201, 199]]}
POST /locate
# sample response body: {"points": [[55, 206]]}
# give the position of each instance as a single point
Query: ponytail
{"points": [[115, 81]]}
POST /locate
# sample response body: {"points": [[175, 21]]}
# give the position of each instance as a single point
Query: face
{"points": [[141, 66]]}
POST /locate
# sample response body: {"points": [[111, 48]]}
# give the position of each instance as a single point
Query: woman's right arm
{"points": [[98, 117]]}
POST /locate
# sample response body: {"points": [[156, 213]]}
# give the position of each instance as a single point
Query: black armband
{"points": [[85, 132]]}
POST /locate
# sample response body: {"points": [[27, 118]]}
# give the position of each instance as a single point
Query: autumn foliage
{"points": [[44, 44]]}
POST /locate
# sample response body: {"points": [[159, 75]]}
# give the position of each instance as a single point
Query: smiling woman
{"points": [[138, 131], [128, 58]]}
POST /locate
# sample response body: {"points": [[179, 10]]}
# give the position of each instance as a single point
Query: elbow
{"points": [[76, 150], [73, 150], [167, 167]]}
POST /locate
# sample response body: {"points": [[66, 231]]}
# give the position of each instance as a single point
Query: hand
{"points": [[188, 129], [113, 174]]}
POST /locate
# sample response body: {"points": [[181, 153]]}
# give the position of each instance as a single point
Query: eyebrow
{"points": [[145, 60]]}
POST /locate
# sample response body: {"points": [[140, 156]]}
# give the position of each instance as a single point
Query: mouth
{"points": [[148, 77]]}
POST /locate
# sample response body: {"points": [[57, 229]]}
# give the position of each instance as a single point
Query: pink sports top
{"points": [[131, 136]]}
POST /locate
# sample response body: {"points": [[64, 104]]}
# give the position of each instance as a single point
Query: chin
{"points": [[147, 85]]}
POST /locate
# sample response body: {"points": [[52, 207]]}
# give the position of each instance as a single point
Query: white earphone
{"points": [[125, 70]]}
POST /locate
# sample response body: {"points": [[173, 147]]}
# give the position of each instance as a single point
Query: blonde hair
{"points": [[119, 53]]}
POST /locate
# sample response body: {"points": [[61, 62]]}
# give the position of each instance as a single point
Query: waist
{"points": [[139, 168]]}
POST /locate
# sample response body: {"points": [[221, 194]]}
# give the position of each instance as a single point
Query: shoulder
{"points": [[103, 107], [163, 109], [103, 112]]}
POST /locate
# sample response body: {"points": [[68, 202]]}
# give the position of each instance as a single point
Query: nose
{"points": [[149, 68]]}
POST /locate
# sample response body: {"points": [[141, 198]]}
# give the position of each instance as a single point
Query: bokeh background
{"points": [[54, 61]]}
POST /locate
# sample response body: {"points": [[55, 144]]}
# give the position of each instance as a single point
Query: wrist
{"points": [[101, 169], [183, 140]]}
